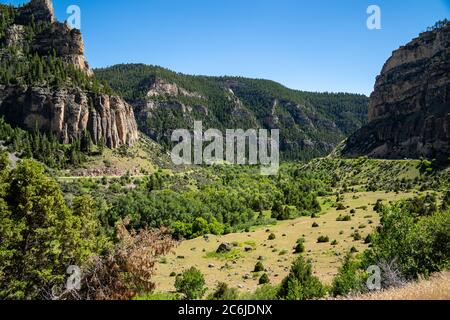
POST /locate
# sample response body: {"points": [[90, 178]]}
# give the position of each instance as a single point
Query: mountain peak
{"points": [[40, 10]]}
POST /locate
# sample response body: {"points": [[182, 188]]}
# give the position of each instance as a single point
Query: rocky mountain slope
{"points": [[46, 83], [409, 112], [311, 124]]}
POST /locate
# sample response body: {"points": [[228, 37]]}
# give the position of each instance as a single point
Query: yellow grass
{"points": [[436, 288], [232, 270]]}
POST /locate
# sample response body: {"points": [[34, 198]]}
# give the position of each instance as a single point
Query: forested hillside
{"points": [[311, 124]]}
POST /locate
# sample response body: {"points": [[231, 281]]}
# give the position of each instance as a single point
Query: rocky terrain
{"points": [[65, 110], [69, 112], [409, 111]]}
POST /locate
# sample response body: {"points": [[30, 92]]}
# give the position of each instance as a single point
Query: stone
{"points": [[67, 113], [224, 248], [409, 110], [39, 10]]}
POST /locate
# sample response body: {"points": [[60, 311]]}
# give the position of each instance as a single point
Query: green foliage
{"points": [[349, 278], [438, 25], [234, 200], [376, 175], [191, 284], [40, 146], [420, 245], [263, 293], [323, 239], [264, 279], [259, 267], [303, 116], [21, 65], [300, 284], [158, 296], [224, 292], [40, 236], [300, 246]]}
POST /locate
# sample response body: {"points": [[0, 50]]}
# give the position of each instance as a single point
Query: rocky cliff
{"points": [[65, 109], [409, 110], [69, 112]]}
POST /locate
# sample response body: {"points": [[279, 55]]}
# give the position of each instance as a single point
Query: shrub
{"points": [[357, 236], [340, 207], [315, 225], [264, 279], [300, 284], [191, 284], [378, 206], [272, 236], [263, 293], [334, 243], [259, 267], [223, 292], [349, 278], [300, 246], [345, 218], [323, 239], [419, 245]]}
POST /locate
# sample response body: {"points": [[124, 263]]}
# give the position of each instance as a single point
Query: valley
{"points": [[236, 268], [90, 179]]}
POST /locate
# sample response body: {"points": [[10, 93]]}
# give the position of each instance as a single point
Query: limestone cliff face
{"points": [[69, 112], [65, 42], [409, 111], [65, 112], [39, 10]]}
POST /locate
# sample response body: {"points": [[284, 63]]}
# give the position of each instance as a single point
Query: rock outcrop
{"points": [[69, 112], [37, 10], [409, 111], [65, 42], [65, 111]]}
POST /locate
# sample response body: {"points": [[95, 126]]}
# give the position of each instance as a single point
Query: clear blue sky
{"points": [[320, 45]]}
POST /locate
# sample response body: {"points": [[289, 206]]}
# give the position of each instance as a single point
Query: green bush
{"points": [[300, 284], [259, 267], [191, 284], [223, 292], [264, 279], [40, 236], [300, 246], [323, 239], [272, 236], [420, 245], [263, 293], [356, 236], [349, 278]]}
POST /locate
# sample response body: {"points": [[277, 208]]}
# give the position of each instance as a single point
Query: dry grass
{"points": [[436, 288], [236, 269]]}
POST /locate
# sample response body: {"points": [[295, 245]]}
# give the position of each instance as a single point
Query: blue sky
{"points": [[321, 45]]}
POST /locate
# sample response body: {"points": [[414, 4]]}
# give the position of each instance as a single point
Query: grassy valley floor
{"points": [[235, 268]]}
